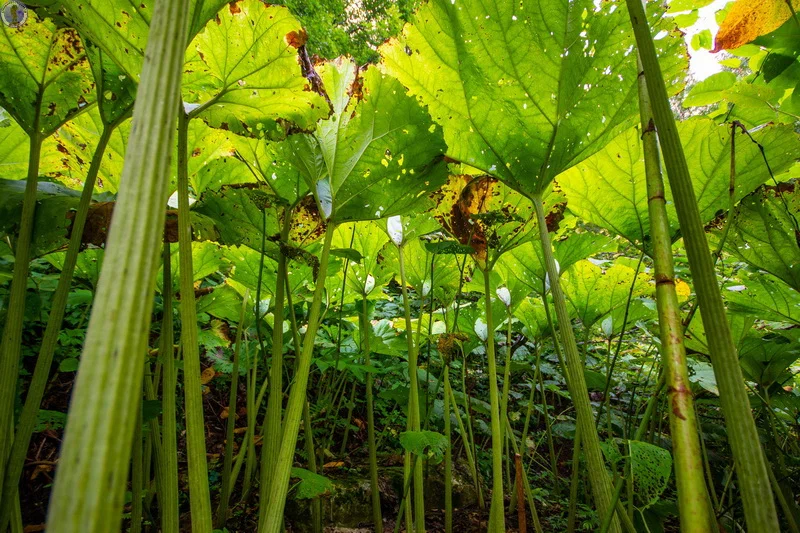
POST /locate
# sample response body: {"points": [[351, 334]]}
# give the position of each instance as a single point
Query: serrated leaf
{"points": [[561, 74], [379, 154], [618, 171], [764, 233], [710, 90], [766, 297], [45, 77], [593, 293], [243, 72], [120, 28]]}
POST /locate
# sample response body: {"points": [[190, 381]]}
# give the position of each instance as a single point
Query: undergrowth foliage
{"points": [[248, 283]]}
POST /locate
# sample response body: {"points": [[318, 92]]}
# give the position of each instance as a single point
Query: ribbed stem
{"points": [[273, 418], [227, 465], [90, 482], [751, 469], [168, 473], [693, 502], [137, 477], [448, 454], [497, 519], [413, 400], [294, 410], [11, 346], [576, 381], [199, 494], [41, 373], [366, 335]]}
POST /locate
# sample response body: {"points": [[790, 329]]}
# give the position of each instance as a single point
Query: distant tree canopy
{"points": [[351, 27]]}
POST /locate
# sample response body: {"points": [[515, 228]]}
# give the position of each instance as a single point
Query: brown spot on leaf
{"points": [[297, 38]]}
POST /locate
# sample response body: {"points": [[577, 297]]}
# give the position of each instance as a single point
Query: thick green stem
{"points": [[366, 335], [573, 485], [168, 473], [497, 520], [576, 382], [41, 373], [308, 434], [137, 477], [11, 346], [448, 454], [693, 502], [272, 420], [473, 468], [294, 411], [751, 468], [90, 482], [413, 400], [227, 465], [547, 425], [199, 496]]}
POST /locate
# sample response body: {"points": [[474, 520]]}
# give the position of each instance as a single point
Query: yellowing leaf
{"points": [[683, 290], [749, 19], [207, 375]]}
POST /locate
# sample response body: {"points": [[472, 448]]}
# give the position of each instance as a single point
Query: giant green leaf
{"points": [[367, 240], [765, 297], [88, 266], [45, 77], [268, 164], [249, 214], [243, 72], [524, 90], [766, 359], [14, 148], [533, 316], [120, 27], [73, 147], [50, 224], [765, 233], [525, 265], [609, 189], [593, 293], [695, 338], [378, 154]]}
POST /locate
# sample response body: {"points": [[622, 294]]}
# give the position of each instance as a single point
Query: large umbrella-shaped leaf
{"points": [[249, 214], [378, 154], [45, 77], [765, 297], [618, 172], [525, 90], [14, 150], [243, 72], [367, 240], [120, 27], [765, 233], [268, 163], [766, 359], [525, 265], [593, 293]]}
